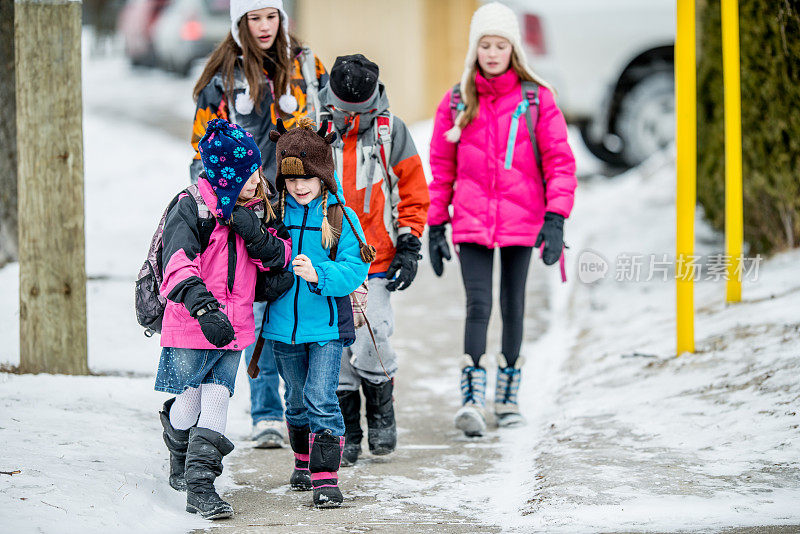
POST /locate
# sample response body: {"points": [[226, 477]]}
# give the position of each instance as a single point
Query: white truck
{"points": [[611, 63]]}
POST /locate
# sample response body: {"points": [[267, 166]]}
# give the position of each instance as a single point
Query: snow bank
{"points": [[623, 435]]}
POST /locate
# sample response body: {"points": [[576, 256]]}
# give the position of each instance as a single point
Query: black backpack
{"points": [[148, 301]]}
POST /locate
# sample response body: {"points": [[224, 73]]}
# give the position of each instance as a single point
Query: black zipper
{"points": [[330, 308], [297, 278], [231, 258]]}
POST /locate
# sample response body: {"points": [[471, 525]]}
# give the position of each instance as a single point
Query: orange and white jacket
{"points": [[380, 172]]}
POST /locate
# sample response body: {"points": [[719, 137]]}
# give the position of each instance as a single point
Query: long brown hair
{"points": [[224, 58], [471, 92]]}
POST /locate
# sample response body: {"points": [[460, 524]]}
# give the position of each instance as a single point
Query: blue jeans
{"points": [[311, 374], [265, 399]]}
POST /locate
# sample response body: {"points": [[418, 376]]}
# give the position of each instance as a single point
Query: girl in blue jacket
{"points": [[311, 323]]}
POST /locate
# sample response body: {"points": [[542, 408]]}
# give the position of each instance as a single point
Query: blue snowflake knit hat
{"points": [[230, 156]]}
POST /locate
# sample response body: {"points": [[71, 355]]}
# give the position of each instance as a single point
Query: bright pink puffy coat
{"points": [[492, 206]]}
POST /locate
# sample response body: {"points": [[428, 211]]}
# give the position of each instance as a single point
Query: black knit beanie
{"points": [[354, 78]]}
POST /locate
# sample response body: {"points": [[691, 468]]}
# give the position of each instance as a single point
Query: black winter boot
{"points": [[324, 460], [381, 427], [203, 466], [298, 439], [350, 404], [177, 441]]}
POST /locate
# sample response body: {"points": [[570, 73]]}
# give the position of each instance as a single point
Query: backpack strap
{"points": [[383, 136], [456, 103], [530, 93]]}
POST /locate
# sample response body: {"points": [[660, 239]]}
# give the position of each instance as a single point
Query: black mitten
{"points": [[246, 223], [272, 284], [261, 244], [215, 326], [404, 263], [438, 248], [552, 233]]}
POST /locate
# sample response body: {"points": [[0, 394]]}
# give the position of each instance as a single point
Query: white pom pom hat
{"points": [[490, 19], [240, 8]]}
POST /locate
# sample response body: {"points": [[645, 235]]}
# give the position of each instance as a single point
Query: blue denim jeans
{"points": [[265, 399], [311, 374]]}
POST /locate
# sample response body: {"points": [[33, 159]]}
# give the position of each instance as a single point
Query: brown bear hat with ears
{"points": [[305, 153]]}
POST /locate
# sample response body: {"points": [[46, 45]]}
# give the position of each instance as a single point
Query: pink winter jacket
{"points": [[492, 206], [224, 267]]}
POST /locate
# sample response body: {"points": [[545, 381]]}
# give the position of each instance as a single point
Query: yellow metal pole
{"points": [[734, 234], [686, 140]]}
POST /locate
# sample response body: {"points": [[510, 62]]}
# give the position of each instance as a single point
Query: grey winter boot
{"points": [[350, 404], [203, 465], [506, 404], [471, 418], [176, 441], [381, 426], [323, 462]]}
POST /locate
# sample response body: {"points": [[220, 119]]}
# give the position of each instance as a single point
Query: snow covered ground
{"points": [[625, 435], [622, 435]]}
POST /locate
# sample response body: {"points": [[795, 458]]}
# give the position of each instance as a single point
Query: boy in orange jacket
{"points": [[383, 181]]}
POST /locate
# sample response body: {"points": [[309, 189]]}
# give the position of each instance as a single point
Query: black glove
{"points": [[246, 223], [272, 284], [438, 247], [404, 263], [260, 243], [215, 325], [552, 233]]}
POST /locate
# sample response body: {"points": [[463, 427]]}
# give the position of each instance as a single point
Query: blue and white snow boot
{"points": [[506, 404], [471, 418]]}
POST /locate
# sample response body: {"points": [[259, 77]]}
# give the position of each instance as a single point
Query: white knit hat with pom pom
{"points": [[490, 19], [240, 8]]}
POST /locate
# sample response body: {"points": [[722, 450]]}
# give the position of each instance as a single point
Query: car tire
{"points": [[646, 118], [599, 150]]}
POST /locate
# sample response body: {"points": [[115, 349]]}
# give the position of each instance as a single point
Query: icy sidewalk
{"points": [[623, 435]]}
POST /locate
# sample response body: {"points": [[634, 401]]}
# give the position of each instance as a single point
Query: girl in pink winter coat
{"points": [[214, 246], [509, 190]]}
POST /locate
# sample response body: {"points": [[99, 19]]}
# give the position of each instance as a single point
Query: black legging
{"points": [[476, 270]]}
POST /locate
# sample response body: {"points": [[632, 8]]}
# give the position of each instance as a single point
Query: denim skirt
{"points": [[179, 368]]}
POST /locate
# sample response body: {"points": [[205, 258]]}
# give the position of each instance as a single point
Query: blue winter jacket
{"points": [[318, 312]]}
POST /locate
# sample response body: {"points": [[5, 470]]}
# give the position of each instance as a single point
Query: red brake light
{"points": [[534, 35], [192, 30]]}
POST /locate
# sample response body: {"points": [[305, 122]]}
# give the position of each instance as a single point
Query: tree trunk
{"points": [[8, 137], [50, 150]]}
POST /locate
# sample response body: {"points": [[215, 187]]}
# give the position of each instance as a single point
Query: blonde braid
{"points": [[329, 235], [283, 205]]}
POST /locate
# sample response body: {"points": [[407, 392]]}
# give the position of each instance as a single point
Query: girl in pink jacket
{"points": [[500, 158], [214, 246]]}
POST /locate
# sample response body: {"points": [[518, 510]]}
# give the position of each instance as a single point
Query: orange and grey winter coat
{"points": [[213, 103], [385, 207]]}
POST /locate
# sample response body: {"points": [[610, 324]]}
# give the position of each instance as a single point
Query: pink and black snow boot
{"points": [[324, 460], [301, 478]]}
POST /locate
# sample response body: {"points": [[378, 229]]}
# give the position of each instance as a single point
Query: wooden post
{"points": [[52, 275], [686, 142], [8, 137]]}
